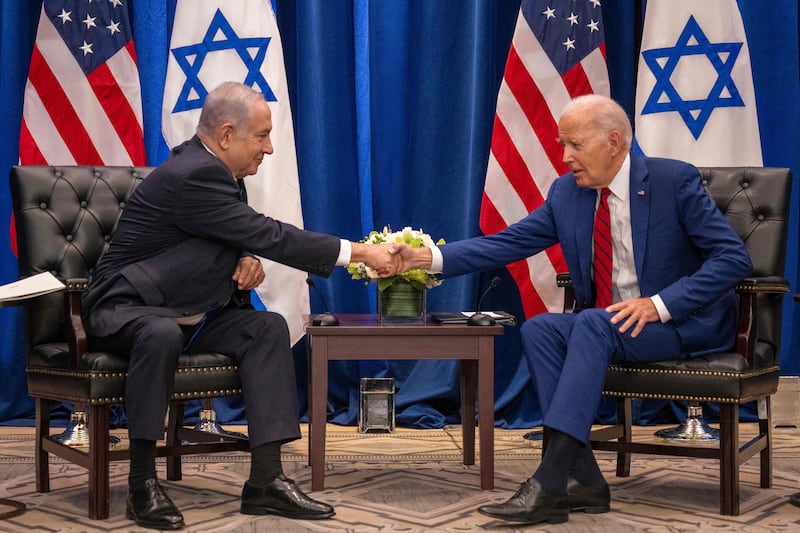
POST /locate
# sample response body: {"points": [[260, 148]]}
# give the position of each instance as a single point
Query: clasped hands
{"points": [[390, 259], [387, 260]]}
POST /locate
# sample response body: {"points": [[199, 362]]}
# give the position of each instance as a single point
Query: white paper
{"points": [[30, 287]]}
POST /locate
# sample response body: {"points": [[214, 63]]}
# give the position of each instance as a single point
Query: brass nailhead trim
{"points": [[76, 373], [671, 397], [116, 375], [206, 369], [709, 373]]}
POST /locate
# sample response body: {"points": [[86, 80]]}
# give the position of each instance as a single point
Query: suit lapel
{"points": [[640, 210]]}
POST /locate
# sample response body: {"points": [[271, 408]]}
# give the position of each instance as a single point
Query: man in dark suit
{"points": [[655, 282], [185, 243]]}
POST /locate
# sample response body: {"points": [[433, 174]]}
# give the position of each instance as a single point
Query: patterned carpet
{"points": [[410, 481]]}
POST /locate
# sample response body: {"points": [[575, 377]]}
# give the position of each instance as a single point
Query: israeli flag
{"points": [[695, 99]]}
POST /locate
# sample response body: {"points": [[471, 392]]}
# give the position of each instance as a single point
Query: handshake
{"points": [[390, 259]]}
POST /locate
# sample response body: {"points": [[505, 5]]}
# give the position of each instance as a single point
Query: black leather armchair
{"points": [[755, 201], [65, 218]]}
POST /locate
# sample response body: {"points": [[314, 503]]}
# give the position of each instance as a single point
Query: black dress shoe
{"points": [[149, 506], [283, 498], [592, 500], [795, 499], [530, 505]]}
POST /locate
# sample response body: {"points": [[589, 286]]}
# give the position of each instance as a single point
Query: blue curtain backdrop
{"points": [[393, 106]]}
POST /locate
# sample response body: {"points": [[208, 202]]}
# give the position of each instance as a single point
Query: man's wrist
{"points": [[422, 258]]}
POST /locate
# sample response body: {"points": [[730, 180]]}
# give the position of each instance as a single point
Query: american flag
{"points": [[557, 53], [83, 99]]}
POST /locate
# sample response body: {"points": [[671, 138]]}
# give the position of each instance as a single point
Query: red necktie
{"points": [[602, 251]]}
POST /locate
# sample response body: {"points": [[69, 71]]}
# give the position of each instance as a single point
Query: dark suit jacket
{"points": [[180, 238], [683, 248]]}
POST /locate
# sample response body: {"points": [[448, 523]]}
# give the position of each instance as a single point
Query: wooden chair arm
{"points": [[765, 284], [564, 280], [748, 290], [73, 321]]}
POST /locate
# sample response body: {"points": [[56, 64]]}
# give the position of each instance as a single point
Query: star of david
{"points": [[190, 59], [695, 113]]}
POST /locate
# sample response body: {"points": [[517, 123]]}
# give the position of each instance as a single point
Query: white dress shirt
{"points": [[624, 280]]}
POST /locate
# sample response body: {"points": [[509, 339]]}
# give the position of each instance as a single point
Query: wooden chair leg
{"points": [[729, 459], [41, 456], [469, 383], [174, 423], [625, 418], [765, 431], [98, 462]]}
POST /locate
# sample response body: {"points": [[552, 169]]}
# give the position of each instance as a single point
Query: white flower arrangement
{"points": [[414, 238]]}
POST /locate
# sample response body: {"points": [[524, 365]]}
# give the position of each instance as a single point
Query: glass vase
{"points": [[401, 302]]}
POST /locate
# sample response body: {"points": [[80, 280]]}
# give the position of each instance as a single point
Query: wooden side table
{"points": [[359, 337]]}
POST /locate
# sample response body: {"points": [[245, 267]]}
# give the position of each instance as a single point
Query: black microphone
{"points": [[478, 318], [324, 319]]}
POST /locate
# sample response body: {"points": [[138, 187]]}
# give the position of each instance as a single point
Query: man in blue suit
{"points": [[168, 284], [673, 264]]}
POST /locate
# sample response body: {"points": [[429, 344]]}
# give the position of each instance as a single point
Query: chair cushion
{"points": [[721, 377], [101, 376]]}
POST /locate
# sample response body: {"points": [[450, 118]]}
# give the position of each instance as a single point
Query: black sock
{"points": [[585, 469], [143, 461], [554, 469], [265, 464]]}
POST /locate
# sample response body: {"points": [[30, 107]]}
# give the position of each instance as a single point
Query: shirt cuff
{"points": [[345, 252], [437, 261], [663, 312]]}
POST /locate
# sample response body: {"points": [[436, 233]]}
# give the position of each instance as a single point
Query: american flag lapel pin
{"points": [[641, 193]]}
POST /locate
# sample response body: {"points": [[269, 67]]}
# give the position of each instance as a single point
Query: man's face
{"points": [[589, 155], [249, 143]]}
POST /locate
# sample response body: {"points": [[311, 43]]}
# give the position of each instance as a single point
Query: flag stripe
{"points": [[62, 116], [512, 164], [576, 81], [113, 101], [529, 97], [43, 133], [31, 151], [492, 222], [524, 139], [594, 65]]}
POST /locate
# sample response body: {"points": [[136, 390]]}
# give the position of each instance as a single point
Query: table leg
{"points": [[469, 382], [317, 411], [486, 410], [310, 393]]}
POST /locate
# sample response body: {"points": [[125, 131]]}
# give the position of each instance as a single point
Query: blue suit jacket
{"points": [[684, 249]]}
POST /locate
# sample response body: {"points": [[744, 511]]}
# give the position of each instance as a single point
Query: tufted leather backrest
{"points": [[65, 217], [755, 202]]}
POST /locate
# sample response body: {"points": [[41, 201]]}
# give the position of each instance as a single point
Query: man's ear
{"points": [[224, 134], [615, 142]]}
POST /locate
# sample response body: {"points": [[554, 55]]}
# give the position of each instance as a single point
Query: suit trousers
{"points": [[568, 356], [257, 340]]}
